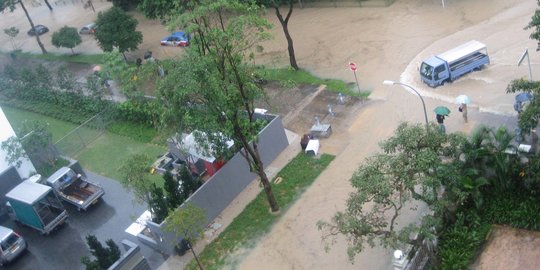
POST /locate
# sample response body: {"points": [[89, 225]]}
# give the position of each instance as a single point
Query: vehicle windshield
{"points": [[6, 244], [426, 71]]}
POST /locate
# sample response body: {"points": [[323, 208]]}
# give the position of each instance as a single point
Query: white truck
{"points": [[450, 65], [75, 188]]}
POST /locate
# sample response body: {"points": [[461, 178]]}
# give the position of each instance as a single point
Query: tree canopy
{"points": [[66, 37], [409, 173], [117, 30], [217, 93]]}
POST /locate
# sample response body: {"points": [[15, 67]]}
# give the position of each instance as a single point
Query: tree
{"points": [[117, 30], [11, 5], [217, 93], [408, 172], [12, 32], [48, 4], [535, 24], [284, 21], [158, 9], [528, 119], [35, 143], [67, 37], [135, 172], [105, 257], [175, 196], [158, 203], [187, 223]]}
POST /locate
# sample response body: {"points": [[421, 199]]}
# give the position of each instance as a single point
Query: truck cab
{"points": [[434, 72], [454, 63]]}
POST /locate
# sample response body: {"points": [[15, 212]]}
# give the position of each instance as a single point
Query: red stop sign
{"points": [[352, 66]]}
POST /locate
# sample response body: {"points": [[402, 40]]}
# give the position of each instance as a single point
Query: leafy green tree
{"points": [[117, 30], [190, 184], [158, 203], [409, 172], [12, 32], [159, 9], [535, 24], [135, 177], [187, 223], [175, 196], [125, 4], [11, 4], [217, 93], [35, 143], [528, 119], [67, 37], [104, 256]]}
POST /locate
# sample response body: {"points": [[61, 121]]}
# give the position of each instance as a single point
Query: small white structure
{"points": [[312, 147]]}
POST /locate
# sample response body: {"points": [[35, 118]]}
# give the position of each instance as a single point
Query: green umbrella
{"points": [[442, 110]]}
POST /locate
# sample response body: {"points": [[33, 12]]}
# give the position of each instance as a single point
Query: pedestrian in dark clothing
{"points": [[440, 120]]}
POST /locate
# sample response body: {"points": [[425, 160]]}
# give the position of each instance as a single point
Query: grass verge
{"points": [[289, 76], [77, 58], [255, 220], [104, 155]]}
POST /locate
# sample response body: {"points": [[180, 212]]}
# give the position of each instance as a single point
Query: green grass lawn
{"points": [[106, 155], [57, 128], [255, 220], [289, 76], [103, 155]]}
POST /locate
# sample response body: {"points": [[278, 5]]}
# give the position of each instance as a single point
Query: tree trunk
{"points": [[125, 58], [285, 25], [32, 27], [274, 207], [48, 5], [72, 52], [195, 255]]}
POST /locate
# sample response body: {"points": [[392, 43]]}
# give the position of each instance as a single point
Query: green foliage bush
{"points": [[459, 243], [52, 94]]}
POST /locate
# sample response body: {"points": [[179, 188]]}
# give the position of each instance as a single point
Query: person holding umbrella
{"points": [[441, 112], [520, 99], [463, 100]]}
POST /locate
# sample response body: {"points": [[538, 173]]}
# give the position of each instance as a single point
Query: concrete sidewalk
{"points": [[238, 204]]}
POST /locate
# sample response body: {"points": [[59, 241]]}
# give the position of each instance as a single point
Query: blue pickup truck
{"points": [[450, 65]]}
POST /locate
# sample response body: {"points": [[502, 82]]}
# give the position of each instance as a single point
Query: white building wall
{"points": [[6, 131]]}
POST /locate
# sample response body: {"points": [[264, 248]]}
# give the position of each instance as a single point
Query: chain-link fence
{"points": [[81, 136]]}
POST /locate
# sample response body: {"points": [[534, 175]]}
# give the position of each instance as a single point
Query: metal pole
{"points": [[529, 64], [356, 78], [422, 99]]}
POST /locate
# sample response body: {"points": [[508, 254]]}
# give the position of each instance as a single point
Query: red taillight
{"points": [[17, 234]]}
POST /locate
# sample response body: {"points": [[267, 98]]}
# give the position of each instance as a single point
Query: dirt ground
{"points": [[387, 44], [510, 249]]}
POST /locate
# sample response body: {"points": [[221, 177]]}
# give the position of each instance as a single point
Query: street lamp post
{"points": [[387, 82]]}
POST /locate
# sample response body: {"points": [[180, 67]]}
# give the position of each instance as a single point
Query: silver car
{"points": [[11, 245], [89, 29]]}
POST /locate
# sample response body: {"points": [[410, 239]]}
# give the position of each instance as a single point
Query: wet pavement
{"points": [[64, 247]]}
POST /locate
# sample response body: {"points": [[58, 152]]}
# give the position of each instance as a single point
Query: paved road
{"points": [[65, 246]]}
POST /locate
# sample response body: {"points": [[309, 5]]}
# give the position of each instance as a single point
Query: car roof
{"points": [[178, 34], [4, 231], [90, 25]]}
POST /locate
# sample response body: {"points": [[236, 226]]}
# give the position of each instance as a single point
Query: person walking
{"points": [[463, 110], [440, 120]]}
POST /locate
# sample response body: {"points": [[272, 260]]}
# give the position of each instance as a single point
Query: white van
{"points": [[11, 245]]}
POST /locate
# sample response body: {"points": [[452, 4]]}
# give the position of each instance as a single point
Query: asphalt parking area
{"points": [[64, 247]]}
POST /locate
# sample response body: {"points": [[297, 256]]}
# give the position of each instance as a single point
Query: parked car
{"points": [[176, 39], [12, 245], [89, 29], [38, 30]]}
